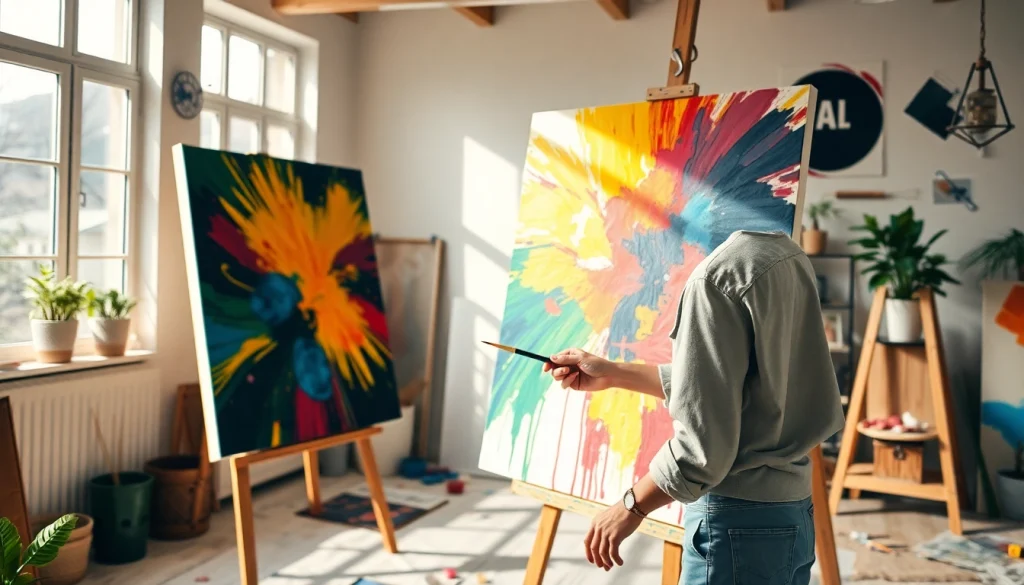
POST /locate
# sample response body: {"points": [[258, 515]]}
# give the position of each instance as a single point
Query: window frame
{"points": [[73, 69], [227, 107], [68, 51]]}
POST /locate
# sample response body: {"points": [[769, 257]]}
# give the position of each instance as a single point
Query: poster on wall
{"points": [[286, 300], [1002, 369], [850, 120], [619, 204]]}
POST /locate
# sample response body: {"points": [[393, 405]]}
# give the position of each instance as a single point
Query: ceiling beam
{"points": [[776, 5], [478, 15], [617, 9]]}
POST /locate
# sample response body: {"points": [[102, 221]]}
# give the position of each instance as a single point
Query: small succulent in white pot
{"points": [[110, 321], [54, 317]]}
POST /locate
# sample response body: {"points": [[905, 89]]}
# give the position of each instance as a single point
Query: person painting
{"points": [[751, 390]]}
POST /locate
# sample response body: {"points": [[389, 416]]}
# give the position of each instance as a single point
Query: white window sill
{"points": [[19, 371]]}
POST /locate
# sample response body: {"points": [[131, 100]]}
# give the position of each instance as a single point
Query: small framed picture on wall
{"points": [[833, 322]]}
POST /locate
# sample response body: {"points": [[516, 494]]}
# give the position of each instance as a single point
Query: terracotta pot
{"points": [[813, 241], [110, 335], [54, 341], [72, 561]]}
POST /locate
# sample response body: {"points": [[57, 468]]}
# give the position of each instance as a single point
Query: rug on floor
{"points": [[354, 507]]}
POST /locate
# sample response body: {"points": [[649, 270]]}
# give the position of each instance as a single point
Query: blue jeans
{"points": [[739, 542]]}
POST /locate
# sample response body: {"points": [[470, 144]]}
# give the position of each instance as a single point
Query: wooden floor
{"points": [[486, 530]]}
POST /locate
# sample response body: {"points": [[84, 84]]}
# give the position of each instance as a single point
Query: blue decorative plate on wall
{"points": [[186, 95]]}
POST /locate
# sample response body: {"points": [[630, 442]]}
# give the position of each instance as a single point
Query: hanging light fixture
{"points": [[977, 115]]}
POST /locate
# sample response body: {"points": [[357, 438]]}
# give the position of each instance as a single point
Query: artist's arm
{"points": [[705, 393], [580, 370]]}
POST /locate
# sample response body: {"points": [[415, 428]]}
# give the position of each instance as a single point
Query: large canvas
{"points": [[286, 300], [618, 205], [1002, 369]]}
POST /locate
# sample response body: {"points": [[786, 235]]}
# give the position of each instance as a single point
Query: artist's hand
{"points": [[579, 370], [607, 532]]}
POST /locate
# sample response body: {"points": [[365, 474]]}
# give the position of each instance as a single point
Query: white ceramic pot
{"points": [[110, 335], [393, 443], [1010, 489], [54, 341], [903, 320]]}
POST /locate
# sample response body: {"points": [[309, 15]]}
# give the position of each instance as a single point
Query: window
{"points": [[67, 110], [250, 85]]}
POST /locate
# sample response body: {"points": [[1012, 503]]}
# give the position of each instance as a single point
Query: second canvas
{"points": [[286, 300], [618, 205]]}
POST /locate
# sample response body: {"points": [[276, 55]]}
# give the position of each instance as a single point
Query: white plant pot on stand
{"points": [[903, 320], [54, 341], [110, 335]]}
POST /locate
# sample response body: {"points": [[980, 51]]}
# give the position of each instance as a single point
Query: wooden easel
{"points": [[555, 503], [242, 488], [948, 487], [184, 440], [12, 489]]}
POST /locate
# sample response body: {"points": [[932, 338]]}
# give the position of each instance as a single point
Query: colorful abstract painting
{"points": [[286, 301], [618, 205], [1002, 372]]}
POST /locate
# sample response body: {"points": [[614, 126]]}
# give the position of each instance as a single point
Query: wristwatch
{"points": [[629, 501]]}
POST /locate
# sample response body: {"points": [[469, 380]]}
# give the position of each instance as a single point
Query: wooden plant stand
{"points": [[932, 395]]}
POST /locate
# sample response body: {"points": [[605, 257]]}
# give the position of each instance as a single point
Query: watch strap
{"points": [[634, 508]]}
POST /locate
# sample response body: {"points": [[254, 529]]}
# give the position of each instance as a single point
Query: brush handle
{"points": [[532, 355]]}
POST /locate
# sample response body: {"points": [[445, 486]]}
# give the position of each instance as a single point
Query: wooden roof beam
{"points": [[478, 15], [617, 9]]}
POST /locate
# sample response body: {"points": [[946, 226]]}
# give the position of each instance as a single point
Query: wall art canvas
{"points": [[1002, 369], [286, 300], [618, 205], [850, 119]]}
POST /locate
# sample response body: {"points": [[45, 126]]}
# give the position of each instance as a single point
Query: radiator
{"points": [[57, 438]]}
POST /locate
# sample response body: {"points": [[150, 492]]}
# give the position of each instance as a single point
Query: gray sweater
{"points": [[751, 388]]}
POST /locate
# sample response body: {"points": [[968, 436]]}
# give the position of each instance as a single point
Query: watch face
{"points": [[629, 500]]}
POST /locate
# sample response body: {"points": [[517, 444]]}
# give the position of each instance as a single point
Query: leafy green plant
{"points": [[821, 210], [899, 260], [998, 257], [54, 300], [109, 305], [39, 553]]}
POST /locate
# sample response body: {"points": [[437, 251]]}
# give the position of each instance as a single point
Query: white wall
{"points": [[444, 112]]}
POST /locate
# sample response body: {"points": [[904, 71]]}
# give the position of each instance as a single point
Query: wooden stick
{"points": [[682, 39], [537, 564], [951, 479], [671, 563], [245, 532], [824, 536], [103, 447], [311, 465], [848, 447], [377, 497]]}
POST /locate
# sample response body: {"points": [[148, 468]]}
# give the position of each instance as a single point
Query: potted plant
{"points": [[110, 321], [998, 258], [1010, 484], [72, 563], [902, 264], [55, 308], [815, 239], [40, 552]]}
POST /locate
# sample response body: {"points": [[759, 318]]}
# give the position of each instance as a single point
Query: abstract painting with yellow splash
{"points": [[286, 300], [618, 205]]}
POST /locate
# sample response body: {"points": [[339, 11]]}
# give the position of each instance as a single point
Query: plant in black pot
{"points": [[902, 264], [1010, 486], [119, 503], [40, 552]]}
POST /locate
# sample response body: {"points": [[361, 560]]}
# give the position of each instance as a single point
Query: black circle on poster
{"points": [[848, 121]]}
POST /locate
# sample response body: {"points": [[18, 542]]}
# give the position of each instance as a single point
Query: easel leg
{"points": [[824, 537], [380, 502], [671, 564], [311, 464], [244, 530], [538, 563]]}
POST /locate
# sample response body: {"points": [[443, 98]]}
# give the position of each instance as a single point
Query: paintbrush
{"points": [[521, 352]]}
